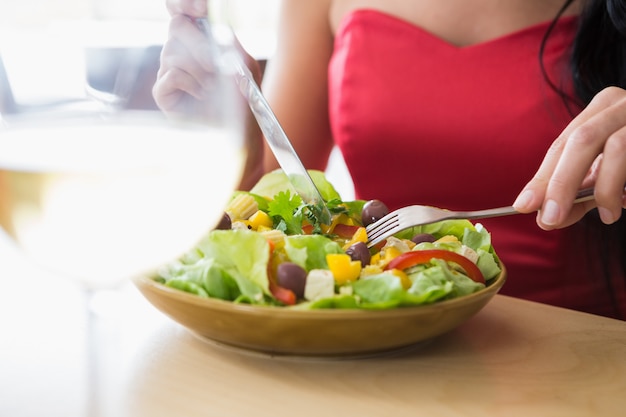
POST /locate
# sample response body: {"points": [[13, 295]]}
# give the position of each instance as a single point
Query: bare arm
{"points": [[296, 83]]}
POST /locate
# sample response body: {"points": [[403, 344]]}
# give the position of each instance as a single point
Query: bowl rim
{"points": [[145, 282]]}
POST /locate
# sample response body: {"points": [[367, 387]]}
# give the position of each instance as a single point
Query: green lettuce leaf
{"points": [[232, 266], [442, 275], [326, 189], [448, 227], [276, 181], [380, 291], [187, 286], [480, 240], [309, 251], [336, 302], [240, 253]]}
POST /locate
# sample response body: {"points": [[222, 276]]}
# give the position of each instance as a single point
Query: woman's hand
{"points": [[186, 74], [183, 73], [591, 151], [186, 78]]}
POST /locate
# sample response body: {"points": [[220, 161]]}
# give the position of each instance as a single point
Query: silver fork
{"points": [[411, 216]]}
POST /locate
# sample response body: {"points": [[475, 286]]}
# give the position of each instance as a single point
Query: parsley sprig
{"points": [[289, 212]]}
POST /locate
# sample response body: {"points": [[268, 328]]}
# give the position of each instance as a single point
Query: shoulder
{"points": [[295, 9]]}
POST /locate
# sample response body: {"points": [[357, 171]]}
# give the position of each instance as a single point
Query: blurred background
{"points": [[254, 20], [107, 28]]}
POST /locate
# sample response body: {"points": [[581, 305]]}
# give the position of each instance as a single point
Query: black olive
{"points": [[359, 252], [373, 210], [423, 237], [225, 223], [292, 277]]}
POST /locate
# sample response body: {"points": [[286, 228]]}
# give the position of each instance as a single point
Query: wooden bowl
{"points": [[314, 333]]}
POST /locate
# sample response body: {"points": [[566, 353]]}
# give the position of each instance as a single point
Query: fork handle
{"points": [[585, 194]]}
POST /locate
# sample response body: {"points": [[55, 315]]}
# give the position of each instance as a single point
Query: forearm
{"points": [[253, 168]]}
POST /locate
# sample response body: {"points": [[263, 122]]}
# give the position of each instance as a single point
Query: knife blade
{"points": [[275, 136]]}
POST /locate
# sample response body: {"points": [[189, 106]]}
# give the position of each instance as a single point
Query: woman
{"points": [[460, 105]]}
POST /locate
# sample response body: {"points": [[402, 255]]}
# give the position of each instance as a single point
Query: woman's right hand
{"points": [[186, 74], [185, 77], [183, 73]]}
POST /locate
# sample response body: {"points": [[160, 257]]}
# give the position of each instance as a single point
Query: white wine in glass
{"points": [[101, 200]]}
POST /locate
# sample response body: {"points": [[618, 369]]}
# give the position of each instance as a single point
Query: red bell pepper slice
{"points": [[282, 294], [417, 257]]}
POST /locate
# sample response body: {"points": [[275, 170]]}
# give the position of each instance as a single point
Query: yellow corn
{"points": [[275, 236], [241, 207], [260, 219], [343, 268]]}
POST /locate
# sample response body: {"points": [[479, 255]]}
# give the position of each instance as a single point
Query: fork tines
{"points": [[378, 231]]}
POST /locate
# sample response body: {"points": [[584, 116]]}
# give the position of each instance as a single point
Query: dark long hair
{"points": [[598, 60]]}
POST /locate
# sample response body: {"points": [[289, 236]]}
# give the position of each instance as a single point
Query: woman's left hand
{"points": [[591, 151]]}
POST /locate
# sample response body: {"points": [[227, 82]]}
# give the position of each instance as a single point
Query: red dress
{"points": [[464, 128]]}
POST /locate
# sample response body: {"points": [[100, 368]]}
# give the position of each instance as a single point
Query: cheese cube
{"points": [[320, 283]]}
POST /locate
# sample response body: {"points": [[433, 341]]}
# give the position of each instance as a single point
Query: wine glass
{"points": [[96, 183]]}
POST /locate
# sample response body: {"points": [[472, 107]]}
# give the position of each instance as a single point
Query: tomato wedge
{"points": [[417, 257]]}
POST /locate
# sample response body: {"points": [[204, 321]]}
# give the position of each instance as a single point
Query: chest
{"points": [[461, 22], [401, 97]]}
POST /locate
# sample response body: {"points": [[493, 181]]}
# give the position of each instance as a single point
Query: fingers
{"points": [[188, 41], [592, 149], [611, 176], [576, 213], [532, 196], [185, 67], [170, 89]]}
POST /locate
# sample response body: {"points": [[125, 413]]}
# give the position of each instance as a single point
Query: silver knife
{"points": [[275, 135]]}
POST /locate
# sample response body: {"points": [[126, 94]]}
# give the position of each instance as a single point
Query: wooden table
{"points": [[515, 358]]}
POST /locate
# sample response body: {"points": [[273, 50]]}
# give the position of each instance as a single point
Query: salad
{"points": [[273, 249]]}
